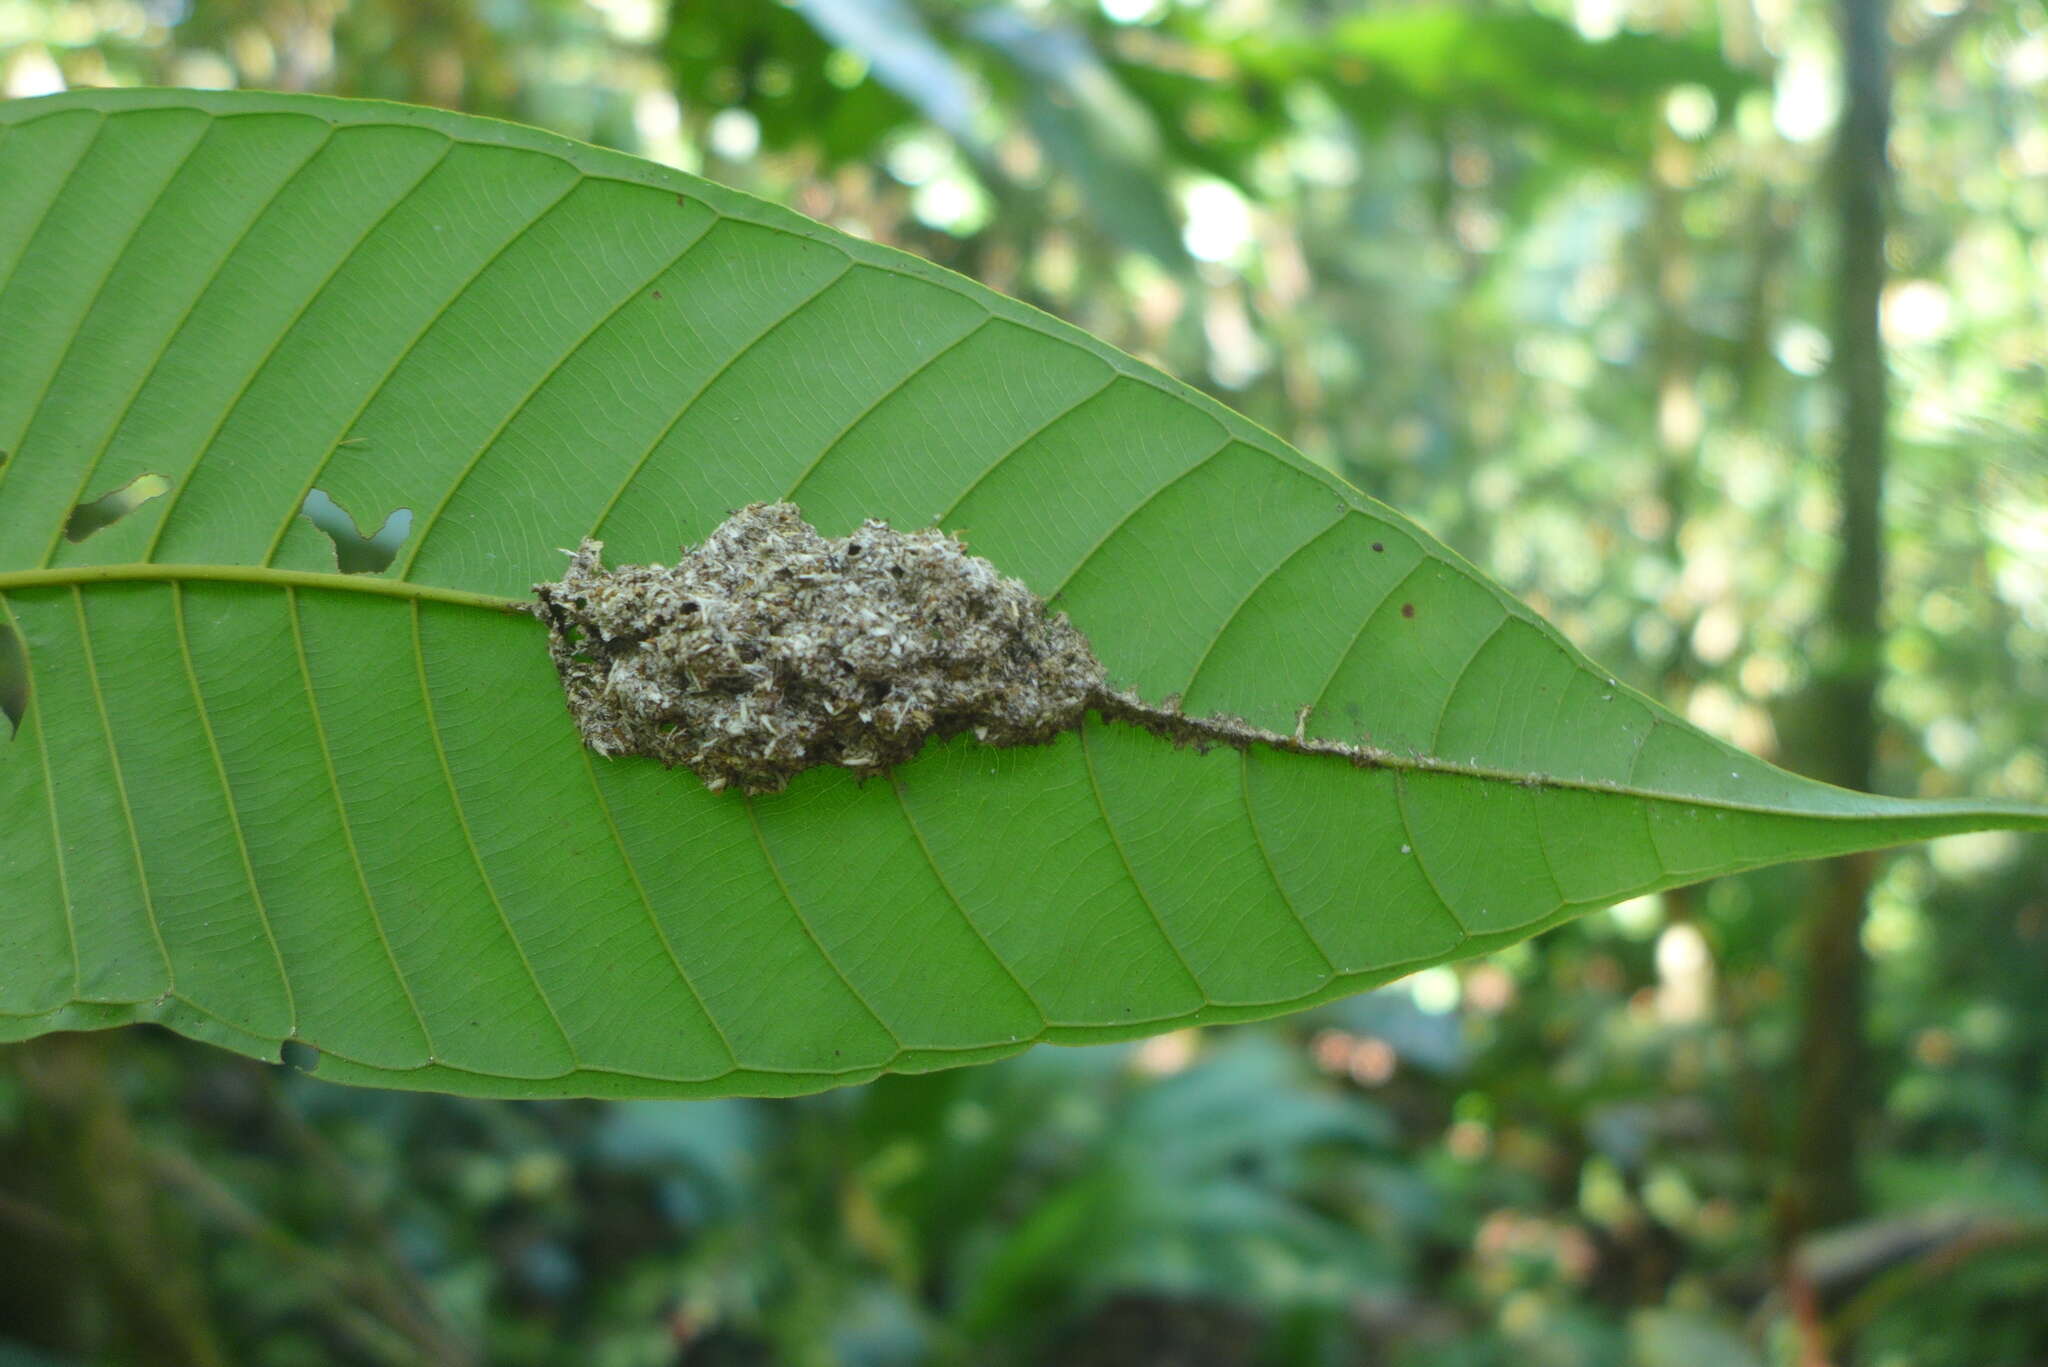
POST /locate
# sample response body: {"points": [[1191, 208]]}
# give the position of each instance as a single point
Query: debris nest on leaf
{"points": [[770, 649]]}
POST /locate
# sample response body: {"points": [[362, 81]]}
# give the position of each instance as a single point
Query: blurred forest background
{"points": [[1569, 281]]}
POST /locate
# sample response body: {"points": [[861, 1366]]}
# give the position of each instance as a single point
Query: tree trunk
{"points": [[1833, 1085]]}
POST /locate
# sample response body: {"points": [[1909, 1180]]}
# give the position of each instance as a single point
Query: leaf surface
{"points": [[260, 801]]}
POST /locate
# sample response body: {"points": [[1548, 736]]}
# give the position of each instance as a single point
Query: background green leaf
{"points": [[259, 800]]}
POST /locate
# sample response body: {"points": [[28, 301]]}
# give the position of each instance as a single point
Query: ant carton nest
{"points": [[770, 649]]}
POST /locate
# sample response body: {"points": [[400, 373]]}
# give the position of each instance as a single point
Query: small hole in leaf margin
{"points": [[355, 553], [298, 1054], [13, 678], [98, 514]]}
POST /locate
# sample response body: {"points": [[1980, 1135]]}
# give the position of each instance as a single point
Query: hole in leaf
{"points": [[111, 507], [355, 553], [13, 679], [298, 1054]]}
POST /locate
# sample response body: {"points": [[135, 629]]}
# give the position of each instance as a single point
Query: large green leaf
{"points": [[259, 800]]}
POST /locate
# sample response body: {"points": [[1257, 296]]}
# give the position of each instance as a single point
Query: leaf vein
{"points": [[633, 473], [98, 292], [1251, 816], [604, 805], [84, 150], [419, 656], [34, 719], [924, 848], [404, 354], [1533, 797], [1117, 843], [348, 837], [1635, 760], [433, 519], [1140, 506], [1357, 638], [782, 885], [1282, 563], [1024, 441], [868, 410], [171, 335], [99, 701], [1443, 710], [171, 500], [1422, 865], [234, 813]]}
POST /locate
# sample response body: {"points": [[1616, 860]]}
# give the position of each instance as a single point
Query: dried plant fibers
{"points": [[769, 649]]}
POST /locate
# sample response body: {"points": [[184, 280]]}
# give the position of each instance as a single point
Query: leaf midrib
{"points": [[2014, 815], [262, 575]]}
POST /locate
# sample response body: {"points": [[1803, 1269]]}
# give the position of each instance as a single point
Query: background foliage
{"points": [[1553, 279]]}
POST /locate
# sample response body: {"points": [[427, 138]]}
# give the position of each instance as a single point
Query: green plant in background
{"points": [[261, 800]]}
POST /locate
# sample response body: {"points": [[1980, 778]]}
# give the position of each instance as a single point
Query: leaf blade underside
{"points": [[257, 800]]}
